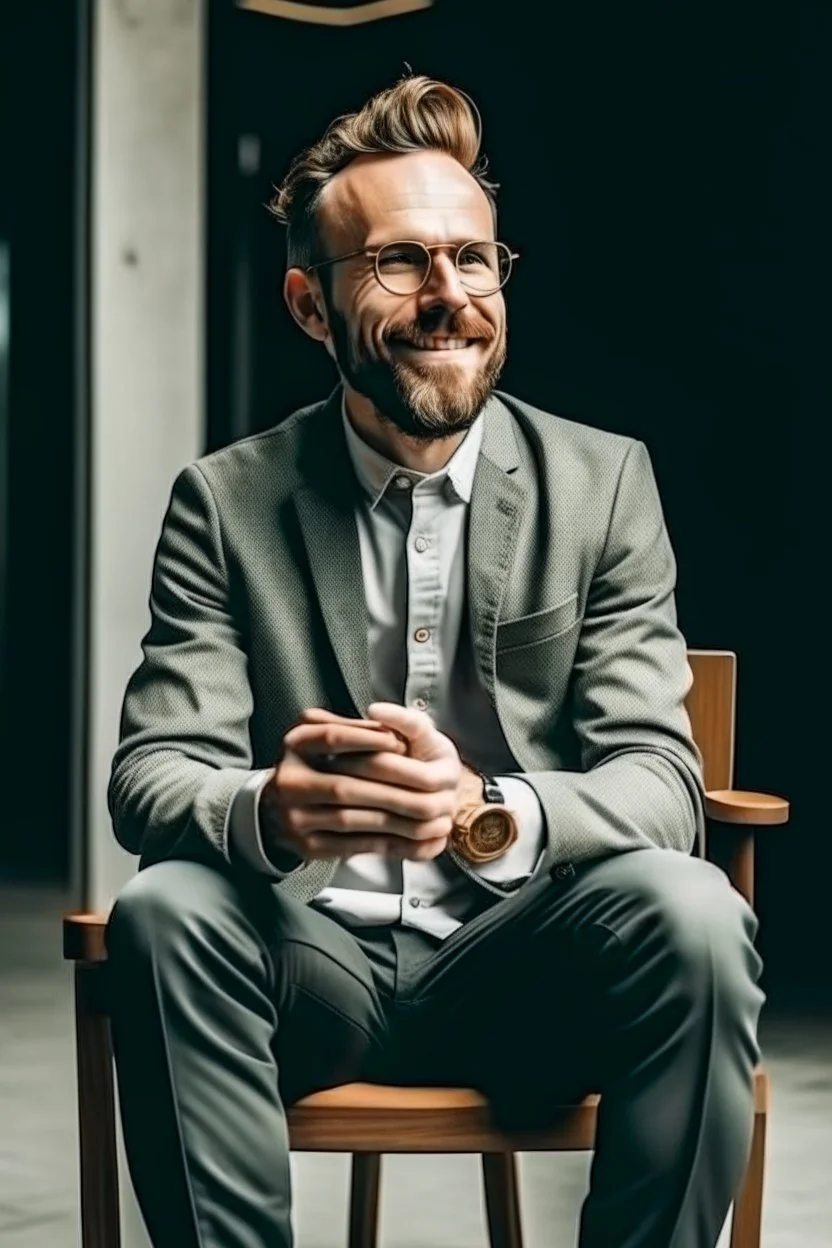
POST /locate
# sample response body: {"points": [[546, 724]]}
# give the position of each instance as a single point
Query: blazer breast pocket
{"points": [[544, 625], [534, 658]]}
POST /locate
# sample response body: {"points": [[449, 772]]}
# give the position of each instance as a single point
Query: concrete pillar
{"points": [[147, 332]]}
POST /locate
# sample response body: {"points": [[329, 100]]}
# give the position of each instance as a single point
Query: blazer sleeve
{"points": [[184, 744], [640, 782]]}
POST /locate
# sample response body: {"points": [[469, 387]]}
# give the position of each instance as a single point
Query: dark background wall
{"points": [[37, 216], [655, 175]]}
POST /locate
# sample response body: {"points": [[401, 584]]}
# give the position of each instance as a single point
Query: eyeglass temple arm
{"points": [[334, 259]]}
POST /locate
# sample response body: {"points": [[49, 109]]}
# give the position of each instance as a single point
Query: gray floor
{"points": [[427, 1201]]}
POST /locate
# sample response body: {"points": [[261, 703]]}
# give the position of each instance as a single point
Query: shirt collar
{"points": [[375, 472]]}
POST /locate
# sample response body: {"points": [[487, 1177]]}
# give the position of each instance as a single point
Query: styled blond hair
{"points": [[417, 113]]}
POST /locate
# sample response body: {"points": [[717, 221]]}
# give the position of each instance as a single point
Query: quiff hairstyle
{"points": [[416, 114]]}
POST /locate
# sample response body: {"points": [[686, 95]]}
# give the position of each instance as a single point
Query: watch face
{"points": [[484, 832], [491, 831]]}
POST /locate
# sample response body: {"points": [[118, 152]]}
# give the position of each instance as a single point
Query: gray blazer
{"points": [[257, 612]]}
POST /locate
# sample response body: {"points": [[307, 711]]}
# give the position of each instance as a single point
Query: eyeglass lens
{"points": [[483, 267]]}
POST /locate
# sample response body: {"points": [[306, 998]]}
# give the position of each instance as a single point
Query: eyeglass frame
{"points": [[375, 252]]}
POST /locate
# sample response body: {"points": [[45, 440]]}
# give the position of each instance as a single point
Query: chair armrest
{"points": [[731, 845], [739, 806], [84, 937]]}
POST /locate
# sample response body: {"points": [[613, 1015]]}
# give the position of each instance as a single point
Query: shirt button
{"points": [[415, 902], [420, 704], [402, 483], [421, 544], [422, 634]]}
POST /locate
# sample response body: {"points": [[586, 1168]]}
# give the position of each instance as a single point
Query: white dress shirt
{"points": [[412, 529]]}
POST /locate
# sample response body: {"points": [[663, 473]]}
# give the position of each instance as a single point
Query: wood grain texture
{"points": [[368, 1117], [747, 1220], [363, 1117], [711, 705], [741, 806]]}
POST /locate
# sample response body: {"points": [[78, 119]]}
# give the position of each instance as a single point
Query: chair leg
{"points": [[502, 1200], [364, 1194], [746, 1223], [100, 1225]]}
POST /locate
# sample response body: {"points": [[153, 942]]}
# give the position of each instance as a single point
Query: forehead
{"points": [[421, 195]]}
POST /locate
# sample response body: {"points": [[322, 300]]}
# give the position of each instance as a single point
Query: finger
{"points": [[398, 770], [303, 786], [317, 715], [334, 789], [351, 821], [416, 727], [341, 739]]}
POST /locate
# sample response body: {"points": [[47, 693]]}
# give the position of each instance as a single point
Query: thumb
{"points": [[417, 729]]}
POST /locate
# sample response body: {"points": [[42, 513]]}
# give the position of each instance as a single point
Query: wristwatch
{"points": [[483, 831]]}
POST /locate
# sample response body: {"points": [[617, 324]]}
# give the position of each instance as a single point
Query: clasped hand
{"points": [[389, 785]]}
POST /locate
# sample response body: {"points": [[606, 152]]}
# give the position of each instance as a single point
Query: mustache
{"points": [[455, 327]]}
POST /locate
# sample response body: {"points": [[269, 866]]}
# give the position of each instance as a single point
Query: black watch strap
{"points": [[492, 790]]}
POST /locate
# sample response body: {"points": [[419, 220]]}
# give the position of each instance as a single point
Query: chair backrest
{"points": [[711, 705]]}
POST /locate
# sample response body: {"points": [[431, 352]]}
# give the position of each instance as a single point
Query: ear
{"points": [[304, 300]]}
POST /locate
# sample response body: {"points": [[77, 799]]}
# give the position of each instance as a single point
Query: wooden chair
{"points": [[367, 1120]]}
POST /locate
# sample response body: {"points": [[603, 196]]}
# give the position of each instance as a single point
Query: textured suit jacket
{"points": [[257, 612]]}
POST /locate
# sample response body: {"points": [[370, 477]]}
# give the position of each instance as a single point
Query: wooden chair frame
{"points": [[367, 1120]]}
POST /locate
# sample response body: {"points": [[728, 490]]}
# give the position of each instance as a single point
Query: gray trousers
{"points": [[635, 976]]}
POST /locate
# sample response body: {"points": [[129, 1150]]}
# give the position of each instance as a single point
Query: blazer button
{"points": [[564, 871]]}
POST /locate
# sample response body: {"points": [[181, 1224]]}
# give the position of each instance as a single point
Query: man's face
{"points": [[426, 361]]}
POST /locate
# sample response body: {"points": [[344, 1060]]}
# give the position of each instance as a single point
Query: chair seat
{"points": [[368, 1117], [381, 1118]]}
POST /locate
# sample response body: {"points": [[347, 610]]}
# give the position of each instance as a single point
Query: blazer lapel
{"points": [[498, 501], [326, 512]]}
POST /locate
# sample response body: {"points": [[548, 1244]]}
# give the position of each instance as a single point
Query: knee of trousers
{"points": [[172, 907], [683, 915]]}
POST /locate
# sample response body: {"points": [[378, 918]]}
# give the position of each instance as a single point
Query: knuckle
{"points": [[294, 819], [422, 808], [288, 818], [444, 804], [341, 791], [433, 807]]}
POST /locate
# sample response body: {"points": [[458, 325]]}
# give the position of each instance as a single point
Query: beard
{"points": [[423, 401]]}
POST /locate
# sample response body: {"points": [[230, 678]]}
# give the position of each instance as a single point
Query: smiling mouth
{"points": [[428, 343]]}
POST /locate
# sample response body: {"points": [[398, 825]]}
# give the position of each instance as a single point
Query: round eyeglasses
{"points": [[403, 268]]}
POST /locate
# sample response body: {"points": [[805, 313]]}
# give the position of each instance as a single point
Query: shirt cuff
{"points": [[244, 825], [521, 860]]}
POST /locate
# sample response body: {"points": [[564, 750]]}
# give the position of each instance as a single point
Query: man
{"points": [[407, 760]]}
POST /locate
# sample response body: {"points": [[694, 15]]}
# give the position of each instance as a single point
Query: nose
{"points": [[443, 285]]}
